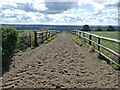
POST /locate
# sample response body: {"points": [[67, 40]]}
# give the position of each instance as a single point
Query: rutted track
{"points": [[60, 63]]}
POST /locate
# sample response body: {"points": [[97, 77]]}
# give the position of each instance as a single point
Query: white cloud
{"points": [[37, 11]]}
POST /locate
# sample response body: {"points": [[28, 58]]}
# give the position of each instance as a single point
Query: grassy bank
{"points": [[103, 42], [50, 38]]}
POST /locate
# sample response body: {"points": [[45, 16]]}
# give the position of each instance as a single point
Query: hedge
{"points": [[9, 44]]}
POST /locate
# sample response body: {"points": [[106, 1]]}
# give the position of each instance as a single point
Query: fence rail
{"points": [[43, 35], [90, 40]]}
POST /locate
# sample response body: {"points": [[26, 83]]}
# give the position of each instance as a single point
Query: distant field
{"points": [[111, 45], [114, 34]]}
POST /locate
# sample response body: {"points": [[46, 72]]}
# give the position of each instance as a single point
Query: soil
{"points": [[60, 64]]}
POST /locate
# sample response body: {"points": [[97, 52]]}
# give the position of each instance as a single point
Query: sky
{"points": [[59, 12]]}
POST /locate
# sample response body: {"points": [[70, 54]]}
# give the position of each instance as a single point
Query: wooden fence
{"points": [[89, 37], [41, 36]]}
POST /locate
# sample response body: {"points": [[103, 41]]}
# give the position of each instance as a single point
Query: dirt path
{"points": [[60, 63]]}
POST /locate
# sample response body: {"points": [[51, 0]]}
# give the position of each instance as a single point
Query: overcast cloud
{"points": [[77, 12]]}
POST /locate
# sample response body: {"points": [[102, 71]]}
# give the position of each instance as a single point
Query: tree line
{"points": [[108, 28]]}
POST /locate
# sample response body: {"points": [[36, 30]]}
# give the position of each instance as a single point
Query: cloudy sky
{"points": [[62, 12]]}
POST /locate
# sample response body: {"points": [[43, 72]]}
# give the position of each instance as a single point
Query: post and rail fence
{"points": [[89, 37], [41, 36]]}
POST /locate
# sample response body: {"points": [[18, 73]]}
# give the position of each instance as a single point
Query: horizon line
{"points": [[57, 24]]}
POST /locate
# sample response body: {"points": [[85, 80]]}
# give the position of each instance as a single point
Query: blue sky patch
{"points": [[88, 7]]}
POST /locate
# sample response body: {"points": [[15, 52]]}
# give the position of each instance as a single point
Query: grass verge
{"points": [[77, 40], [50, 39], [92, 48]]}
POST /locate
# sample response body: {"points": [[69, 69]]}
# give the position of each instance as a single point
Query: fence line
{"points": [[43, 35], [83, 34]]}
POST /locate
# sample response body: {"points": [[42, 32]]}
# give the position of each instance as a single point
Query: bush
{"points": [[24, 42], [86, 28], [98, 29], [9, 44]]}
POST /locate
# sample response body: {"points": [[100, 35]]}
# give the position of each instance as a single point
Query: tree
{"points": [[98, 29], [86, 28], [110, 28]]}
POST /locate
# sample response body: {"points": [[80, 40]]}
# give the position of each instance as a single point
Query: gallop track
{"points": [[60, 64]]}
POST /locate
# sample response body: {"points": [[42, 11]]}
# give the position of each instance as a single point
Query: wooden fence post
{"points": [[53, 33], [84, 36], [50, 34], [30, 37], [35, 39], [42, 38], [76, 33], [79, 34], [46, 36], [98, 43], [119, 63], [90, 38]]}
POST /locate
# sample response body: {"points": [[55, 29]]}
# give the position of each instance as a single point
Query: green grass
{"points": [[108, 44], [114, 35], [110, 34], [76, 39], [111, 45], [50, 38], [26, 32]]}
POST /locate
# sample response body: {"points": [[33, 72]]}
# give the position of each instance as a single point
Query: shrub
{"points": [[24, 42], [86, 28], [98, 29], [9, 44]]}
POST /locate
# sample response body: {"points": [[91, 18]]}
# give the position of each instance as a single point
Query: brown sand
{"points": [[60, 63]]}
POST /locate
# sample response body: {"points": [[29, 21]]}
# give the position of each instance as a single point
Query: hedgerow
{"points": [[9, 44]]}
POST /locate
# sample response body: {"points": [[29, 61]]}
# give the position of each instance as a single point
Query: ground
{"points": [[60, 64]]}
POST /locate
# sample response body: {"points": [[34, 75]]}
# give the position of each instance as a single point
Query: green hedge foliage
{"points": [[9, 44]]}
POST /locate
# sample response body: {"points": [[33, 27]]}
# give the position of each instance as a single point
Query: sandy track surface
{"points": [[60, 64]]}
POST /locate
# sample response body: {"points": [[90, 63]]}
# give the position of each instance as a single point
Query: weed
{"points": [[115, 66], [92, 49]]}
